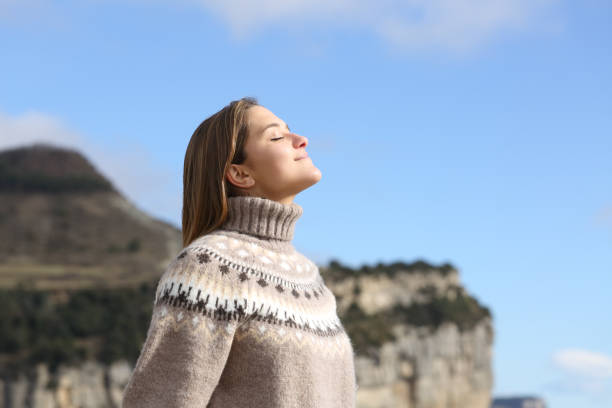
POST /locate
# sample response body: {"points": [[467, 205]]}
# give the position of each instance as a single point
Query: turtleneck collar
{"points": [[262, 217]]}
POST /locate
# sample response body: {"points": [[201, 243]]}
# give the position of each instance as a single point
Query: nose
{"points": [[300, 141]]}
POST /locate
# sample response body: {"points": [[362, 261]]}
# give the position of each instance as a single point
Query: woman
{"points": [[240, 318]]}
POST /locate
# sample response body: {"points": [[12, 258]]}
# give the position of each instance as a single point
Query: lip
{"points": [[302, 157]]}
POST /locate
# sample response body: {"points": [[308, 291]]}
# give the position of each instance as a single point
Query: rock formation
{"points": [[421, 341]]}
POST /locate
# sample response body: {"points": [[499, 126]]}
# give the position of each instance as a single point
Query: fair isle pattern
{"points": [[200, 279], [274, 263], [253, 271], [261, 331], [175, 319]]}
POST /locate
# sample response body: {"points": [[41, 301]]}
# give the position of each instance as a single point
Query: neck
{"points": [[287, 200], [262, 217]]}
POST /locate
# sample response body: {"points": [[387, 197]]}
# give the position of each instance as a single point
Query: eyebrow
{"points": [[274, 124]]}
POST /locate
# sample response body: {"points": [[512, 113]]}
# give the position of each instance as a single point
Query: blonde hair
{"points": [[215, 144]]}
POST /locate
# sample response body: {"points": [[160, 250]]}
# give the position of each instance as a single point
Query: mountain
{"points": [[64, 225]]}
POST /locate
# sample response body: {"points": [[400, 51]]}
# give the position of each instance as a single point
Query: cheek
{"points": [[274, 162]]}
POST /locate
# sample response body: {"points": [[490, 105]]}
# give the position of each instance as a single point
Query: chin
{"points": [[314, 175], [314, 179]]}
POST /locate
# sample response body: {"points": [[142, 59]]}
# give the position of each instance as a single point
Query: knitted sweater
{"points": [[243, 320]]}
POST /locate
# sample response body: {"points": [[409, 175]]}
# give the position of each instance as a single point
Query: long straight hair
{"points": [[215, 144]]}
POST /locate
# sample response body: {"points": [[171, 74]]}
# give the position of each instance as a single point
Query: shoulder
{"points": [[198, 280]]}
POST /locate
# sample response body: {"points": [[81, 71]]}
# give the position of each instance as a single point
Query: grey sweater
{"points": [[241, 319]]}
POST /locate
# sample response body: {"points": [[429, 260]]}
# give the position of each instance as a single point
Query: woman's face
{"points": [[277, 166]]}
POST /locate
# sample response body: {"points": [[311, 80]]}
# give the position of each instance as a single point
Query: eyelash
{"points": [[278, 138]]}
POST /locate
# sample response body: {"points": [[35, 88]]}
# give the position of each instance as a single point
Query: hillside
{"points": [[64, 225]]}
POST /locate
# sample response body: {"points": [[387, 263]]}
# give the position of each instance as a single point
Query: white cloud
{"points": [[127, 164], [33, 126], [457, 26], [452, 25], [583, 362], [584, 372]]}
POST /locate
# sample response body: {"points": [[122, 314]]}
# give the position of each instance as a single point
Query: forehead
{"points": [[260, 117]]}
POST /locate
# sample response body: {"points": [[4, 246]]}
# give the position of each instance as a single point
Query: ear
{"points": [[239, 176]]}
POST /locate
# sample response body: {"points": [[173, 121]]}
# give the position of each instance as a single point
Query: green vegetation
{"points": [[463, 310], [132, 246], [335, 271], [367, 331], [105, 325]]}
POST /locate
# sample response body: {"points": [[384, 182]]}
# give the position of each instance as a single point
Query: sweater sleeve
{"points": [[195, 316]]}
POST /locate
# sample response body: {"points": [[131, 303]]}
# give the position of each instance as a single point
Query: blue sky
{"points": [[472, 132]]}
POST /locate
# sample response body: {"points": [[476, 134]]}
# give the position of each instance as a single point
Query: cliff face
{"points": [[91, 385], [429, 369], [420, 340]]}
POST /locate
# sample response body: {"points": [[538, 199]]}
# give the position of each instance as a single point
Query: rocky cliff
{"points": [[90, 385], [421, 341]]}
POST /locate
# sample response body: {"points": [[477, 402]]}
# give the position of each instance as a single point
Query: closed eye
{"points": [[278, 138]]}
